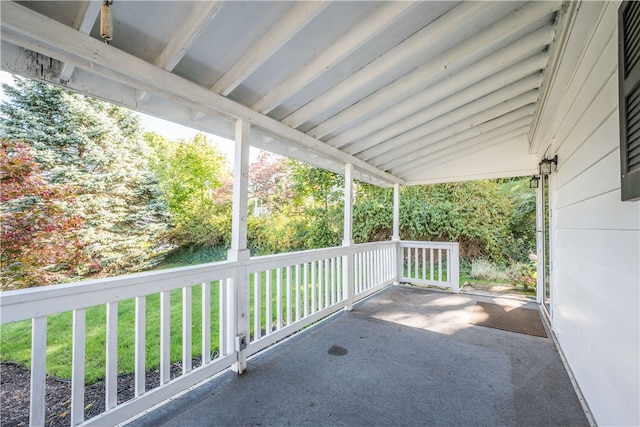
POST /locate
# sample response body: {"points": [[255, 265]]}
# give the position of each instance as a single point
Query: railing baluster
{"points": [[409, 251], [140, 345], [231, 313], [269, 304], [372, 269], [165, 336], [416, 261], [186, 329], [340, 278], [222, 321], [379, 262], [332, 272], [206, 323], [38, 370], [439, 265], [298, 307], [77, 367], [257, 301], [111, 374], [424, 263], [320, 284], [327, 283], [431, 264], [356, 273], [279, 298], [313, 287], [289, 302], [305, 292]]}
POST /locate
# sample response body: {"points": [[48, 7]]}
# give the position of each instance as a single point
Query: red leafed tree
{"points": [[39, 239], [268, 180]]}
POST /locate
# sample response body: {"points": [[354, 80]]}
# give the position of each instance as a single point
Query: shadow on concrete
{"points": [[405, 357]]}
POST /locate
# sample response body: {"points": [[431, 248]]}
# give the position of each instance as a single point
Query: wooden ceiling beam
{"points": [[487, 108], [375, 23], [484, 132], [190, 30], [294, 21], [454, 60], [437, 101], [83, 22]]}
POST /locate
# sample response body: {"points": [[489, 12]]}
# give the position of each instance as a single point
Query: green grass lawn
{"points": [[15, 338]]}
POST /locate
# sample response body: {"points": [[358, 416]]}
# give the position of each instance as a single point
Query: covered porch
{"points": [[392, 94]]}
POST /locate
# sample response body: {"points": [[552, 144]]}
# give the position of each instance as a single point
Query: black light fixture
{"points": [[545, 165], [534, 181]]}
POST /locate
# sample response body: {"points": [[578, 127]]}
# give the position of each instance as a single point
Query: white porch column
{"points": [[396, 231], [347, 240], [238, 304], [540, 243], [396, 212]]}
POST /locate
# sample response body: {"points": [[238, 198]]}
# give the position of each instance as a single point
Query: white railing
{"points": [[430, 263], [281, 293]]}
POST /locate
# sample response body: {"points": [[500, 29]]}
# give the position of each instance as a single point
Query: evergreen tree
{"points": [[98, 149]]}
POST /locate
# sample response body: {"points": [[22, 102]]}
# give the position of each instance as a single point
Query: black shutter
{"points": [[629, 92]]}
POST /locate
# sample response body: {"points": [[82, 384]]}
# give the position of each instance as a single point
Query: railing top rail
{"points": [[261, 263], [35, 302], [422, 244]]}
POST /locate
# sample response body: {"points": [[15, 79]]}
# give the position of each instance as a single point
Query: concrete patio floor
{"points": [[404, 357]]}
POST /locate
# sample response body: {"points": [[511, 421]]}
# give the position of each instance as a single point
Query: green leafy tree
{"points": [[98, 149], [40, 242], [196, 184], [318, 199]]}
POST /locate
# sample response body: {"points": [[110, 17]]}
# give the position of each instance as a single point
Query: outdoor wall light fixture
{"points": [[535, 180], [545, 165]]}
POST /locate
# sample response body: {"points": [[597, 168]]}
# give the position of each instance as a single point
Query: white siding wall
{"points": [[596, 249]]}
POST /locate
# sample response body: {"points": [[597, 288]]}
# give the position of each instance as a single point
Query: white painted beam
{"points": [[377, 22], [438, 100], [297, 18], [486, 108], [406, 155], [479, 134], [83, 22], [414, 45], [191, 28], [28, 29], [433, 33], [454, 60], [446, 126]]}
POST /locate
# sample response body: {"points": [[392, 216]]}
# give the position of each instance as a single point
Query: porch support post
{"points": [[347, 241], [396, 231], [238, 317], [396, 212], [540, 244]]}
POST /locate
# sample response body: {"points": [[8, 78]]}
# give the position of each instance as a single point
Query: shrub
{"points": [[524, 274], [486, 270]]}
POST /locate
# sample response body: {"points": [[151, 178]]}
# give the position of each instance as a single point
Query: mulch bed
{"points": [[15, 385]]}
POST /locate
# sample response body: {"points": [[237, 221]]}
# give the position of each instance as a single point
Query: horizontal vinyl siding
{"points": [[596, 239]]}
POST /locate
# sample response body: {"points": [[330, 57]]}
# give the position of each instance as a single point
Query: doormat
{"points": [[513, 319]]}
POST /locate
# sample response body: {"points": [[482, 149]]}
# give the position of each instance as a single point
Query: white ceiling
{"points": [[408, 92]]}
